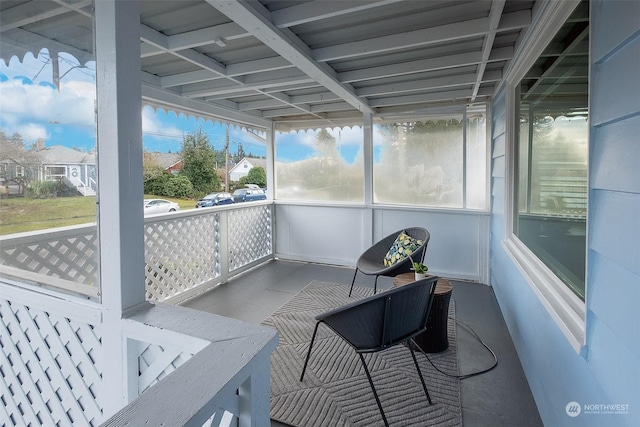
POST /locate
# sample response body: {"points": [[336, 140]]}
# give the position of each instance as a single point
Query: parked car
{"points": [[155, 206], [215, 199], [249, 194]]}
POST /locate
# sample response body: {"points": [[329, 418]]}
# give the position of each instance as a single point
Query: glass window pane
{"points": [[47, 149], [552, 156], [324, 165], [419, 163]]}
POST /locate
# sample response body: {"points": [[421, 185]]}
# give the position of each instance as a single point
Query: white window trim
{"points": [[565, 308]]}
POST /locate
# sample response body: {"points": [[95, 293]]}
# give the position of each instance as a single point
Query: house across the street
{"points": [[243, 167], [170, 162], [59, 162]]}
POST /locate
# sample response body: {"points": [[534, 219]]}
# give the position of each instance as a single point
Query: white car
{"points": [[155, 206]]}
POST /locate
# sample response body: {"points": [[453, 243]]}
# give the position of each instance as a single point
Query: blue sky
{"points": [[31, 105]]}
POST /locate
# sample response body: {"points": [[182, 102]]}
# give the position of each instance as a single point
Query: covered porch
{"points": [[95, 325]]}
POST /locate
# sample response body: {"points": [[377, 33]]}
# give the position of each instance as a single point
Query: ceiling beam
{"points": [[32, 12], [424, 65], [315, 110], [261, 82], [423, 37], [410, 39], [159, 40], [288, 46], [452, 95], [258, 66], [314, 11], [427, 84], [78, 7], [497, 6], [308, 84], [232, 70], [286, 99], [197, 38], [282, 18]]}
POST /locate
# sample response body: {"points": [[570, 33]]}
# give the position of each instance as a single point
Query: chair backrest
{"points": [[372, 258], [385, 319]]}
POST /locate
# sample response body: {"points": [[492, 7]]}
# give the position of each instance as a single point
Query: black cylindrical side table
{"points": [[435, 339]]}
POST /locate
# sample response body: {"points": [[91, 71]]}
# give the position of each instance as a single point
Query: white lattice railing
{"points": [[218, 377], [51, 343], [50, 360], [68, 253], [184, 251], [192, 368]]}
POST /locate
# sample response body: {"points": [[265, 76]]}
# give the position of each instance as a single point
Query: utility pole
{"points": [[226, 160]]}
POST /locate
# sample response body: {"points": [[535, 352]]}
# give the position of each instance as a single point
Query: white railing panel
{"points": [[50, 362], [69, 253], [250, 235], [182, 252], [156, 362], [226, 379]]}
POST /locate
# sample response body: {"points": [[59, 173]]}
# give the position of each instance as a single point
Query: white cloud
{"points": [[21, 103], [351, 136], [32, 131], [152, 125]]}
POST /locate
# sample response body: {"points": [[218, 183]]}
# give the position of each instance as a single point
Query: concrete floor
{"points": [[500, 397]]}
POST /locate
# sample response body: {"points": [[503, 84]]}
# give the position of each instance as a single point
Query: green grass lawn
{"points": [[21, 214]]}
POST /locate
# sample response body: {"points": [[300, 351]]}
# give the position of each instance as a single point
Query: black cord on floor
{"points": [[472, 374]]}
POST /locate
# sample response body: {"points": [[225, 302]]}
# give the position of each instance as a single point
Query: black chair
{"points": [[371, 262], [382, 321]]}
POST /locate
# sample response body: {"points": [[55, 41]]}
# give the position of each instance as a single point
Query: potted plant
{"points": [[419, 269]]}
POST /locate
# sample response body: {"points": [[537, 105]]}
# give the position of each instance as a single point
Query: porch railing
{"points": [[186, 252], [185, 367]]}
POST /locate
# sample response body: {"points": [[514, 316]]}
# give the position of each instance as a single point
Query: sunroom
{"points": [[505, 128]]}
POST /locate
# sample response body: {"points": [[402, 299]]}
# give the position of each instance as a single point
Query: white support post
{"points": [[120, 225], [271, 160], [367, 220], [254, 398]]}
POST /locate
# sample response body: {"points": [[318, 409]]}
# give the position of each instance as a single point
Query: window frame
{"points": [[566, 309], [464, 113]]}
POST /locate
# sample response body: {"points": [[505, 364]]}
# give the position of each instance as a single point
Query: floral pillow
{"points": [[404, 246]]}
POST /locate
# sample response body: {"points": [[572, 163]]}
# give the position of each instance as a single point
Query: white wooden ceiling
{"points": [[258, 61]]}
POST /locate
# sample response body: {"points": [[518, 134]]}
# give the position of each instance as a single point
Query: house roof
{"points": [[254, 161], [300, 63], [61, 155], [166, 160]]}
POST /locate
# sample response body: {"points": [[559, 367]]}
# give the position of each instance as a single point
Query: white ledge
{"points": [[232, 350]]}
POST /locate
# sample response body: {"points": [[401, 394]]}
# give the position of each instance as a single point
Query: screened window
{"points": [[439, 162], [324, 164], [552, 154]]}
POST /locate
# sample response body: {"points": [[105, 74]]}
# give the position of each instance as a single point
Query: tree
{"points": [[199, 162], [326, 144], [240, 154], [257, 176], [15, 156]]}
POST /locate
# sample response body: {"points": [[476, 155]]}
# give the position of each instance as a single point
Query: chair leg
{"points": [[353, 281], [424, 385], [375, 285], [375, 393], [313, 338]]}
